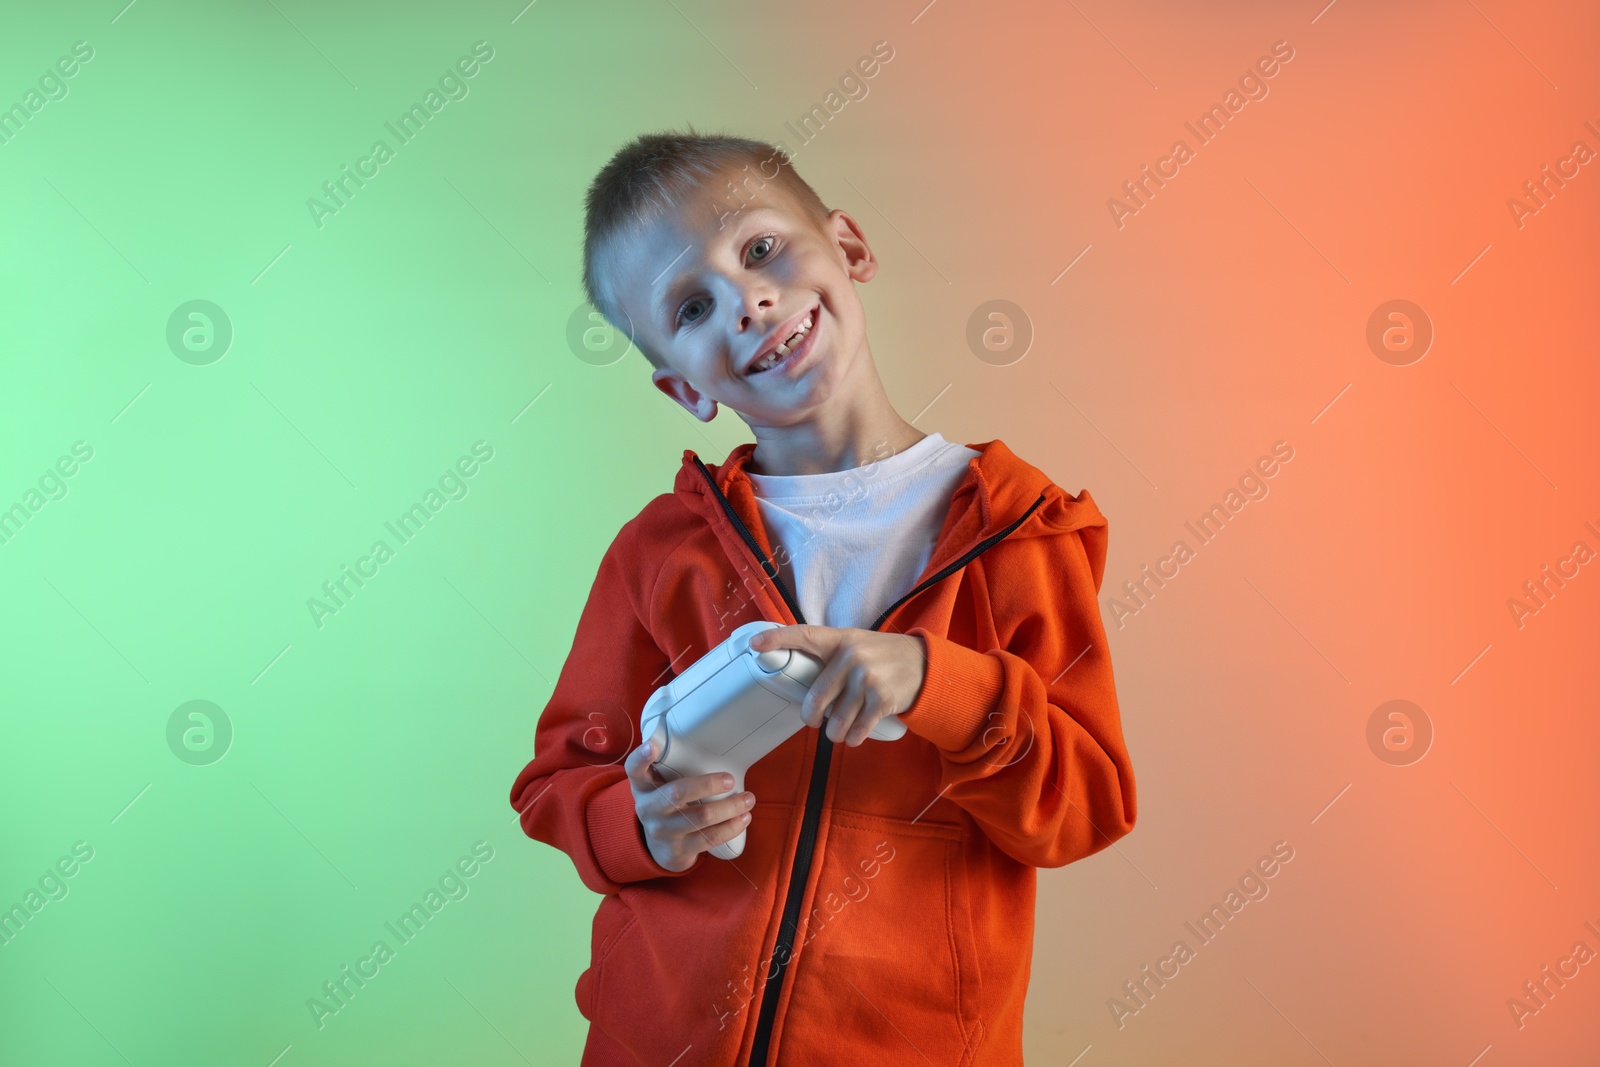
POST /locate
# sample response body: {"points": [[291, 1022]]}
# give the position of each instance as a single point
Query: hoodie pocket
{"points": [[612, 920], [889, 970], [672, 955]]}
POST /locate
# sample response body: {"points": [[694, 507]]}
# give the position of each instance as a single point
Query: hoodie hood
{"points": [[999, 487]]}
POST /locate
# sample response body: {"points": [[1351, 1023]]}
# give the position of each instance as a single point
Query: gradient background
{"points": [[368, 755]]}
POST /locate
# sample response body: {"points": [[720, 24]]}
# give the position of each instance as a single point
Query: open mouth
{"points": [[791, 348]]}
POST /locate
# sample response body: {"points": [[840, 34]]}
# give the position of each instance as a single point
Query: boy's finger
{"points": [[844, 714], [872, 710], [847, 710], [638, 763], [824, 690], [685, 793], [803, 636]]}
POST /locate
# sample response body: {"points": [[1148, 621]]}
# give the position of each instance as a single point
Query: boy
{"points": [[882, 909]]}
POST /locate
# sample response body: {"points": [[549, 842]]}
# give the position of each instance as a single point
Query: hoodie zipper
{"points": [[800, 870]]}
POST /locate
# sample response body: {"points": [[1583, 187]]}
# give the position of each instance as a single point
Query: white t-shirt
{"points": [[857, 540]]}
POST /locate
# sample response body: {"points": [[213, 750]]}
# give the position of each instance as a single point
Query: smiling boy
{"points": [[954, 586]]}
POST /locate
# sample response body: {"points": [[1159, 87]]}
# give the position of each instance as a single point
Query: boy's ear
{"points": [[679, 389], [859, 261]]}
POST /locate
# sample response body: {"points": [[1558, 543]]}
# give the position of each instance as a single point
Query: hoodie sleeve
{"points": [[575, 794], [1028, 733]]}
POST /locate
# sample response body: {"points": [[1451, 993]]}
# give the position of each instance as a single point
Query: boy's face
{"points": [[711, 289]]}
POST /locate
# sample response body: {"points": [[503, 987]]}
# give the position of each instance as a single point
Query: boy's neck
{"points": [[864, 430]]}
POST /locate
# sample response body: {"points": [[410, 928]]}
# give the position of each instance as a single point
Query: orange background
{"points": [[1225, 316]]}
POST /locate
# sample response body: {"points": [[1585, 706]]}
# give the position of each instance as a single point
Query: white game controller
{"points": [[733, 706]]}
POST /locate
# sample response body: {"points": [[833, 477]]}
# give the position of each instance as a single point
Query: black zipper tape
{"points": [[806, 846]]}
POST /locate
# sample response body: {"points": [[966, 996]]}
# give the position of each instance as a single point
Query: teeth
{"points": [[786, 346]]}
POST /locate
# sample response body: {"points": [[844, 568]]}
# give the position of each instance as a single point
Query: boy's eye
{"points": [[760, 241], [682, 317]]}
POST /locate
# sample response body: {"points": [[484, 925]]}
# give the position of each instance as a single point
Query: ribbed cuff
{"points": [[618, 839], [961, 688]]}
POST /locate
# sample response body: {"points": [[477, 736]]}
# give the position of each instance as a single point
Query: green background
{"points": [[370, 753]]}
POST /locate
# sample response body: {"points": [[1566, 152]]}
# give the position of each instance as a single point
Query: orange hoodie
{"points": [[882, 911]]}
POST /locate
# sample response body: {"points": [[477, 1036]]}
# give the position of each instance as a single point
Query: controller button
{"points": [[774, 661]]}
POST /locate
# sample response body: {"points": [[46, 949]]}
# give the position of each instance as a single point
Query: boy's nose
{"points": [[756, 306]]}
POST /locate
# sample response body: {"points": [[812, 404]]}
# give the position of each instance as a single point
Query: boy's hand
{"points": [[678, 822], [866, 675]]}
